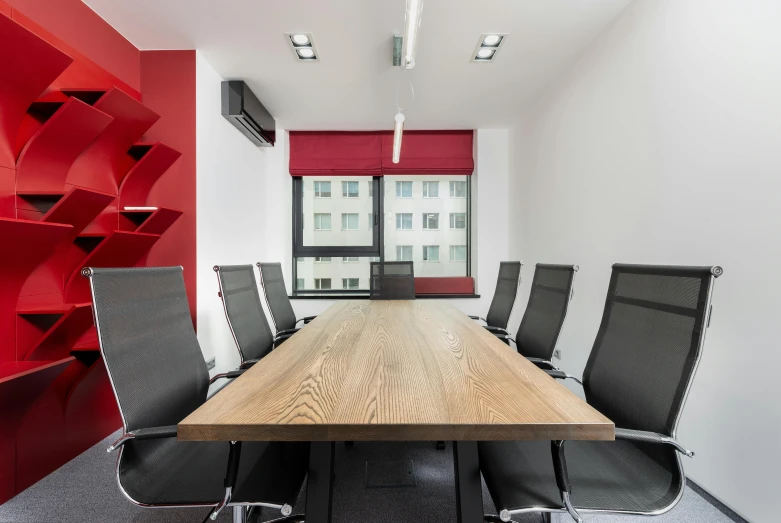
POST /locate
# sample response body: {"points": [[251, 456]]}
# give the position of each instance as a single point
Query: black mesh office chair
{"points": [[246, 319], [159, 376], [392, 281], [549, 298], [278, 302], [638, 374], [504, 297]]}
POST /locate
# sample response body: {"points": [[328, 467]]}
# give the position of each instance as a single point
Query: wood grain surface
{"points": [[394, 370]]}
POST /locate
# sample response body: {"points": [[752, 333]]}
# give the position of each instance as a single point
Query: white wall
{"points": [[231, 203], [663, 145]]}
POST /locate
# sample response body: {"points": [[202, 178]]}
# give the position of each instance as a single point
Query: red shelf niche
{"points": [[118, 249], [29, 65], [106, 161], [140, 179], [78, 207], [21, 384], [46, 159], [151, 222], [39, 339], [26, 244]]}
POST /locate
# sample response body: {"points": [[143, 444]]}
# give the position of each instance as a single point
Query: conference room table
{"points": [[394, 371]]}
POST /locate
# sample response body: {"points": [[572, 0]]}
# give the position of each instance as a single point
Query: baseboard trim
{"points": [[713, 500]]}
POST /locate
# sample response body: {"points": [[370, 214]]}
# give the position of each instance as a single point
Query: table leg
{"points": [[320, 482], [469, 493]]}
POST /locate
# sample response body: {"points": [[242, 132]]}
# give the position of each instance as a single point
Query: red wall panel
{"points": [[74, 22], [168, 88]]}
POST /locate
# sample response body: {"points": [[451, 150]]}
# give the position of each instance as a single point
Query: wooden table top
{"points": [[394, 370]]}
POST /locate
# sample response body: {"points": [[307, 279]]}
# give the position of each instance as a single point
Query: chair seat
{"points": [[615, 475], [183, 473]]}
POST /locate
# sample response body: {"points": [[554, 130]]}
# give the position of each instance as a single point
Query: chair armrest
{"points": [[167, 431], [505, 337], [477, 318], [247, 364], [286, 331], [540, 361], [226, 375], [306, 319], [278, 341], [561, 375], [652, 437], [495, 330]]}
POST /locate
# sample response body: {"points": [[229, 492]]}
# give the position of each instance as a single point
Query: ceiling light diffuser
{"points": [[492, 40], [488, 46], [485, 53], [300, 39], [306, 53]]}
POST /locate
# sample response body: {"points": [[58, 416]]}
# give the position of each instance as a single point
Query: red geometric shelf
{"points": [[29, 65], [78, 207], [57, 340], [118, 249], [151, 222], [140, 179], [46, 159], [109, 150]]}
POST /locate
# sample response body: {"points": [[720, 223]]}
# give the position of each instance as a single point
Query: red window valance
{"points": [[322, 153]]}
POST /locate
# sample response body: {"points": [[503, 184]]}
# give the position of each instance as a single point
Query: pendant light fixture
{"points": [[398, 129], [410, 37]]}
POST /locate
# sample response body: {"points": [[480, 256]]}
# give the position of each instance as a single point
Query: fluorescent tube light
{"points": [[411, 25], [398, 129]]}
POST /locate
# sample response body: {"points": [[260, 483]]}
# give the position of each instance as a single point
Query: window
{"points": [[404, 221], [458, 220], [300, 283], [431, 253], [349, 189], [371, 221], [404, 253], [322, 259], [350, 221], [350, 259], [458, 189], [350, 283], [371, 188], [431, 189], [322, 189], [322, 221], [403, 189], [323, 284], [430, 221], [458, 253]]}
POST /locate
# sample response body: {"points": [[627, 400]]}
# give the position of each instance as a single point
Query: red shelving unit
{"points": [[29, 65], [118, 249], [55, 341], [143, 175], [110, 149], [78, 207], [46, 159]]}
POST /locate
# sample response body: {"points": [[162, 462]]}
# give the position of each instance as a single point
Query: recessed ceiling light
{"points": [[488, 47], [303, 46], [300, 39]]}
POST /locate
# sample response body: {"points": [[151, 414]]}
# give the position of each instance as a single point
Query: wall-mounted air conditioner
{"points": [[243, 109]]}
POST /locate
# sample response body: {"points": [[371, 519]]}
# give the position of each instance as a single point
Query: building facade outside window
{"points": [[404, 221], [404, 253], [323, 284], [350, 190], [431, 253], [458, 189], [350, 284], [431, 189], [322, 189], [430, 221], [404, 189], [322, 222], [350, 221]]}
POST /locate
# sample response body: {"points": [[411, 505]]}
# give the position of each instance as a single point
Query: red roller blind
{"points": [[429, 152], [331, 153], [323, 153]]}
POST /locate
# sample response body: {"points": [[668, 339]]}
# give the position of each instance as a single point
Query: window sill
{"points": [[365, 296]]}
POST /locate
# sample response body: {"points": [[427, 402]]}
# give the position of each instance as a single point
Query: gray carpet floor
{"points": [[85, 490]]}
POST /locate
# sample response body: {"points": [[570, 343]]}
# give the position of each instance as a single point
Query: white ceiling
{"points": [[354, 85]]}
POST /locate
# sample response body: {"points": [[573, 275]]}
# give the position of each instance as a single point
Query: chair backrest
{"points": [[273, 283], [649, 344], [546, 310], [148, 343], [246, 319], [392, 281], [504, 295]]}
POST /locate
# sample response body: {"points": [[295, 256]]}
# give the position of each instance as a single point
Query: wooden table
{"points": [[394, 370]]}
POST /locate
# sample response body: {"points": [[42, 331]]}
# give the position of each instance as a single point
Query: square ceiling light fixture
{"points": [[488, 46], [303, 46]]}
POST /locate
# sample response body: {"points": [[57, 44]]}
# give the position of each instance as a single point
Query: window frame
{"points": [[400, 194], [346, 184], [315, 188], [347, 221], [357, 285], [425, 189], [376, 251], [439, 258], [411, 221], [427, 217]]}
